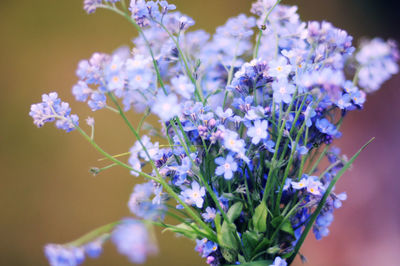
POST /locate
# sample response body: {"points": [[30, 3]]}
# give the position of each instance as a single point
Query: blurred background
{"points": [[47, 194]]}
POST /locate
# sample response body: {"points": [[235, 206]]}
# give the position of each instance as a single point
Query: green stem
{"points": [[198, 90], [257, 47], [92, 235], [323, 201], [141, 33], [159, 178]]}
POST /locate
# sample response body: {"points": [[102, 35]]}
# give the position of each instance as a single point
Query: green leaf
{"points": [[276, 221], [323, 201], [264, 244], [250, 241], [235, 211], [229, 254], [226, 236], [182, 229], [217, 222], [287, 227], [260, 218], [241, 259]]}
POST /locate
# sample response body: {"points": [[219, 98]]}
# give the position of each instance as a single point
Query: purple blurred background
{"points": [[47, 194]]}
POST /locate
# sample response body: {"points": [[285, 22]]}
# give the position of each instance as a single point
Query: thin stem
{"points": [[323, 201], [257, 47], [198, 90], [159, 178], [112, 109], [141, 33], [92, 235]]}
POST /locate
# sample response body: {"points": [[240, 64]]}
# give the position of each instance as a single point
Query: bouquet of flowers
{"points": [[247, 116]]}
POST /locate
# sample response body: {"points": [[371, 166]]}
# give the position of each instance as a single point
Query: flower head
{"points": [[133, 240], [194, 195], [259, 131], [166, 107], [226, 167], [53, 109]]}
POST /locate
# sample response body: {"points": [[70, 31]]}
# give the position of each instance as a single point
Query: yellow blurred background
{"points": [[47, 194]]}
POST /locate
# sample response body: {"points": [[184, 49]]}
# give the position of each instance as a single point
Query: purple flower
{"points": [[226, 167], [205, 247], [209, 214], [90, 6]]}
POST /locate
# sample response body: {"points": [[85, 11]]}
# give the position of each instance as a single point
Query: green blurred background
{"points": [[47, 194]]}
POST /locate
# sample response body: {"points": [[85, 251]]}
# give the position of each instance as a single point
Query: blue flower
{"points": [[226, 167], [182, 171], [90, 6], [133, 240], [324, 126], [183, 86], [53, 109], [279, 262], [223, 114], [322, 223], [283, 91], [166, 107], [194, 195], [279, 68], [308, 114], [378, 61], [232, 141], [141, 205], [337, 202], [311, 183], [59, 255], [94, 248], [81, 91], [259, 131], [344, 101], [97, 101], [209, 214], [205, 247], [138, 74], [209, 248]]}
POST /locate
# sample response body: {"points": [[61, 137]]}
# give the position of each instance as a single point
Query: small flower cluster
{"points": [[53, 109], [65, 255], [241, 139]]}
